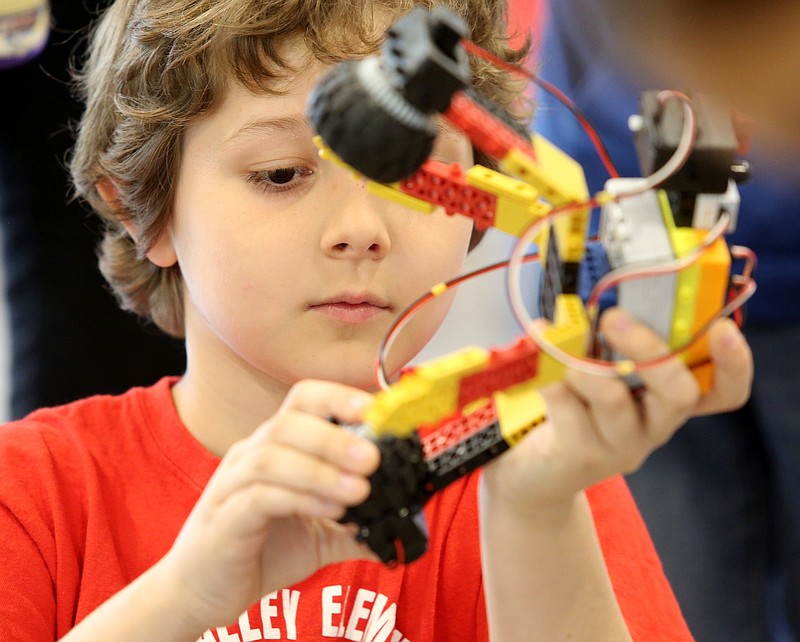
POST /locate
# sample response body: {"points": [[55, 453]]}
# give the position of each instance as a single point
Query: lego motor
{"points": [[376, 111]]}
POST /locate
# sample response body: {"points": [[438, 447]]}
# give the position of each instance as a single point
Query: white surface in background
{"points": [[481, 315]]}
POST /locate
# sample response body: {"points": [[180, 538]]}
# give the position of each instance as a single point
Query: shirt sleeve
{"points": [[27, 548], [643, 592], [27, 600]]}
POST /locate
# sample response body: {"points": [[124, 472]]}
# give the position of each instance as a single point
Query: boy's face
{"points": [[291, 269]]}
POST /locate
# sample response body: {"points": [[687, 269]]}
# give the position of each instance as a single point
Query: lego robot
{"points": [[660, 253]]}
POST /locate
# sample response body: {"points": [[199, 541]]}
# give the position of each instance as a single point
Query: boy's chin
{"points": [[357, 375]]}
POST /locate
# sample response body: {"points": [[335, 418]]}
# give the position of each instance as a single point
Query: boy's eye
{"points": [[281, 176], [280, 179]]}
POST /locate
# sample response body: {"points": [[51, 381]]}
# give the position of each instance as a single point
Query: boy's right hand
{"points": [[267, 518]]}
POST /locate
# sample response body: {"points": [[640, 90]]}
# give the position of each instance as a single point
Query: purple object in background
{"points": [[24, 27]]}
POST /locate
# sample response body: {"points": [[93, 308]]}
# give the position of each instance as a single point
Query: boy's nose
{"points": [[356, 227]]}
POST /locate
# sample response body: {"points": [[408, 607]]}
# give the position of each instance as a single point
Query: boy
{"points": [[206, 507]]}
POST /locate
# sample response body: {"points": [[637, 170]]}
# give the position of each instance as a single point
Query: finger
{"points": [[569, 414], [345, 545], [672, 391], [249, 514], [321, 439], [327, 399], [564, 441], [617, 417], [254, 505], [733, 369], [282, 466]]}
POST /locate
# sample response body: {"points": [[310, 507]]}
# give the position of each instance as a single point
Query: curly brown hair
{"points": [[154, 66]]}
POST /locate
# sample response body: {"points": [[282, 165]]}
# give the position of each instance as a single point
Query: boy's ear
{"points": [[162, 253]]}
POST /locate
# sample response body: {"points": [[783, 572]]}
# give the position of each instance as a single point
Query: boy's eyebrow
{"points": [[300, 124], [286, 124]]}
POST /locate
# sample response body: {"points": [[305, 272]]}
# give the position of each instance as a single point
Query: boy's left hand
{"points": [[597, 428]]}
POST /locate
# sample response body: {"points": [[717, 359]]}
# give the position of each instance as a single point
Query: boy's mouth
{"points": [[352, 308]]}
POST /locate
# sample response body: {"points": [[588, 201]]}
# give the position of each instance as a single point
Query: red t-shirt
{"points": [[95, 492]]}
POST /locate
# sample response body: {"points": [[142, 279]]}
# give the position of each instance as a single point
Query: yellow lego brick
{"points": [[499, 184], [715, 265], [518, 204], [569, 332], [328, 154], [711, 294], [551, 370], [392, 192], [684, 241], [519, 410], [555, 175], [518, 163], [570, 231], [560, 180], [494, 182], [700, 295], [514, 218], [570, 312], [431, 391], [411, 403], [425, 395]]}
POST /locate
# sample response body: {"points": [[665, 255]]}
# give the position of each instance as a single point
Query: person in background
{"points": [[69, 339], [722, 499], [24, 28], [746, 53]]}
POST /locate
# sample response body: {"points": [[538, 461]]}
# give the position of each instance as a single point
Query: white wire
{"points": [[513, 275], [685, 144]]}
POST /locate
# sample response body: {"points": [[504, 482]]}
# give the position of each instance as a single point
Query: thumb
{"points": [[733, 369], [340, 544]]}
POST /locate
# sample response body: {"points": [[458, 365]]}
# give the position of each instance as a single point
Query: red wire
{"points": [[551, 89], [416, 305], [605, 157]]}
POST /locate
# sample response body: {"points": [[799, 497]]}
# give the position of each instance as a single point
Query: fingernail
{"points": [[731, 338], [349, 483], [360, 451], [620, 322], [359, 403]]}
